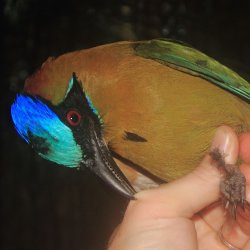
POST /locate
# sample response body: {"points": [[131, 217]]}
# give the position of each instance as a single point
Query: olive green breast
{"points": [[174, 112]]}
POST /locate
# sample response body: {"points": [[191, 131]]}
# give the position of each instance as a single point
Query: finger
{"points": [[247, 245], [213, 215], [209, 220], [190, 194], [206, 236], [243, 218], [244, 140], [245, 169], [233, 233]]}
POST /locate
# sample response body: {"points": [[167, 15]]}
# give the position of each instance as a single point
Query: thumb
{"points": [[195, 191]]}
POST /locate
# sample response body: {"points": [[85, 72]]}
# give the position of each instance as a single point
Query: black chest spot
{"points": [[134, 137]]}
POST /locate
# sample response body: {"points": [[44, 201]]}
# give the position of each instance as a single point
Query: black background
{"points": [[44, 206]]}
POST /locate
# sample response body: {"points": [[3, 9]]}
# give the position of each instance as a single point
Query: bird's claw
{"points": [[233, 188], [233, 185]]}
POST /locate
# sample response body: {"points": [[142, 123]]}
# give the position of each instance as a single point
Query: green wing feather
{"points": [[185, 58]]}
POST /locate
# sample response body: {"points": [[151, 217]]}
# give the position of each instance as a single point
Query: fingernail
{"points": [[226, 141], [220, 139]]}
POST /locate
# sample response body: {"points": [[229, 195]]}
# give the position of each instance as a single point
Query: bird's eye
{"points": [[73, 118]]}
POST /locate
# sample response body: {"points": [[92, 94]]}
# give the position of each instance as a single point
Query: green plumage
{"points": [[192, 61]]}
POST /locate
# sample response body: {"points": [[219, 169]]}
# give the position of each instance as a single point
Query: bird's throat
{"points": [[138, 180]]}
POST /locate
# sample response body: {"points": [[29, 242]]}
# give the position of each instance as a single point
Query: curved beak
{"points": [[103, 165]]}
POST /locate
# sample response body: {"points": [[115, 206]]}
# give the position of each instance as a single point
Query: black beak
{"points": [[103, 165]]}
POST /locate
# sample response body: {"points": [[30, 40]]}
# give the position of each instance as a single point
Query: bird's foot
{"points": [[233, 185]]}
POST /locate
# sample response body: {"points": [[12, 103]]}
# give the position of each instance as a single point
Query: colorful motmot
{"points": [[132, 109]]}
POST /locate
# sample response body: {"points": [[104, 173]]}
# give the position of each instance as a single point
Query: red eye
{"points": [[73, 118]]}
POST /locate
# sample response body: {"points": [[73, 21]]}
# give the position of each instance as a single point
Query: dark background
{"points": [[44, 206]]}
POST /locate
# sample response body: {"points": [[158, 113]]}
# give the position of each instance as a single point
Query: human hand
{"points": [[186, 214]]}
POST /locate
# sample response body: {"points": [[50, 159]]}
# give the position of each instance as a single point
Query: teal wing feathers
{"points": [[185, 58]]}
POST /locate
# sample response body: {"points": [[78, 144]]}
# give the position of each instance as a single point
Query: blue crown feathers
{"points": [[41, 127]]}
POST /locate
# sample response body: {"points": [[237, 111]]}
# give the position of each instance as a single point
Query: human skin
{"points": [[187, 213]]}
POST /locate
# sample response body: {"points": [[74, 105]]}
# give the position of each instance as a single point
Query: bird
{"points": [[136, 113]]}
